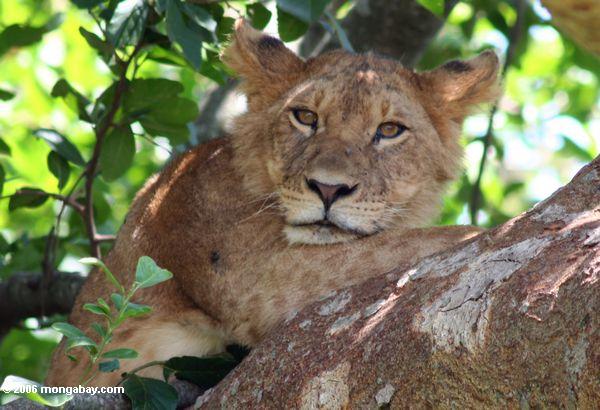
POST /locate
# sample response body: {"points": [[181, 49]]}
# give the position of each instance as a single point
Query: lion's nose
{"points": [[329, 193]]}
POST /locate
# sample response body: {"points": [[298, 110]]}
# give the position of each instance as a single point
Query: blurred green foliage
{"points": [[58, 76]]}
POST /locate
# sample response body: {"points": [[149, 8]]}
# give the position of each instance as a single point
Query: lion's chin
{"points": [[316, 234]]}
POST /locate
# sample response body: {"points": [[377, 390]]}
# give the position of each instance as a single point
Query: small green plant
{"points": [[205, 372], [114, 312]]}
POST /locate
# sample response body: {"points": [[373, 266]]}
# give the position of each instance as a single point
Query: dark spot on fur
{"points": [[215, 256], [457, 66], [268, 43]]}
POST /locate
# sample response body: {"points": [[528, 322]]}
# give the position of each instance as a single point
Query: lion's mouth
{"points": [[326, 224]]}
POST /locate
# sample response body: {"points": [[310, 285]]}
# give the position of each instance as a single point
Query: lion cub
{"points": [[320, 186]]}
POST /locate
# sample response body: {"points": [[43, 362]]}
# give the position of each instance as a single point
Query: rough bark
{"points": [[22, 296], [509, 319]]}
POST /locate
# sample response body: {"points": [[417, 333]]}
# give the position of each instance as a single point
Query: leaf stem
{"points": [[142, 367], [113, 323]]}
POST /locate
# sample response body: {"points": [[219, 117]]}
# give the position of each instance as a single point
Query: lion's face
{"points": [[353, 148], [348, 144]]}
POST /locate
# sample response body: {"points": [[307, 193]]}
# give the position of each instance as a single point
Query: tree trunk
{"points": [[508, 319]]}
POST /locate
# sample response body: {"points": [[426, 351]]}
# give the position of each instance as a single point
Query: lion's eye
{"points": [[390, 130], [306, 117]]}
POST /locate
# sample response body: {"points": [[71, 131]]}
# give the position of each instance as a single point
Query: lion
{"points": [[326, 180]]}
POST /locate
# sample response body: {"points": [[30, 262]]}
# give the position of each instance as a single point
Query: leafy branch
{"points": [[147, 274], [92, 166]]}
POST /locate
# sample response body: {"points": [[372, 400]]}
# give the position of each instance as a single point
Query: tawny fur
{"points": [[232, 219]]}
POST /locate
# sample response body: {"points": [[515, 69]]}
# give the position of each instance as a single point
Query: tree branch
{"points": [[186, 391], [21, 296]]}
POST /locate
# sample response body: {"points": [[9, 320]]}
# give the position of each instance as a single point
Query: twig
{"points": [[513, 41], [92, 166], [52, 240], [142, 367], [104, 238]]}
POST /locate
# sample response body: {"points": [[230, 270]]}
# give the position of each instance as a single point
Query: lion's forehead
{"points": [[363, 94]]}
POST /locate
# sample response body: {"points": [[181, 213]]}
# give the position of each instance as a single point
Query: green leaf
{"points": [[74, 100], [109, 275], [80, 341], [87, 4], [146, 394], [161, 6], [102, 303], [95, 309], [185, 33], [27, 198], [6, 95], [16, 383], [61, 145], [175, 110], [205, 372], [202, 18], [18, 35], [4, 148], [156, 105], [102, 103], [60, 168], [434, 6], [144, 94], [166, 56], [290, 27], [128, 22], [109, 366], [225, 28], [103, 47], [259, 15], [121, 353], [212, 67], [117, 300], [67, 329], [308, 11], [117, 152], [135, 310], [148, 273], [176, 133], [98, 328]]}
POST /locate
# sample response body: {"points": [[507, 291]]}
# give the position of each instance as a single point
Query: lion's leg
{"points": [[157, 337]]}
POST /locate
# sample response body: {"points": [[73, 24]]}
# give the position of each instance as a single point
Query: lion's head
{"points": [[350, 144]]}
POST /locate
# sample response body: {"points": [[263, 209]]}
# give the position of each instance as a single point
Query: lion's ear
{"points": [[461, 85], [267, 67]]}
